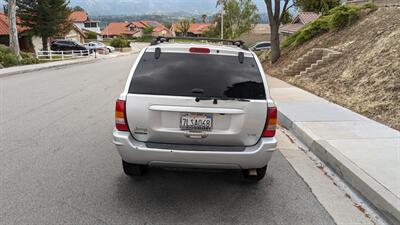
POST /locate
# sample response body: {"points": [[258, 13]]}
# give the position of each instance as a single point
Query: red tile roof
{"points": [[291, 27], [139, 24], [152, 23], [199, 28], [299, 21], [157, 26], [195, 28], [306, 17], [79, 16], [4, 25], [118, 28]]}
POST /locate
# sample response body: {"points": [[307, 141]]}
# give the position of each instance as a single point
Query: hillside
{"points": [[366, 78]]}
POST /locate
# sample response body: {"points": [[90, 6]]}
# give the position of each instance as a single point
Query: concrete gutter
{"points": [[364, 153]]}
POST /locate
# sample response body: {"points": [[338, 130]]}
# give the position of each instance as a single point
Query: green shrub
{"points": [[25, 55], [4, 49], [371, 6], [144, 39], [337, 18], [119, 42], [91, 35], [31, 60], [8, 59], [343, 16]]}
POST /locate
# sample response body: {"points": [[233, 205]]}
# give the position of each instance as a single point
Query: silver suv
{"points": [[196, 105]]}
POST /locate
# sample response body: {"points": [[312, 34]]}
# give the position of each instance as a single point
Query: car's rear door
{"points": [[197, 98]]}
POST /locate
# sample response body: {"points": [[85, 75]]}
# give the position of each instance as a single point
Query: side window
{"points": [[262, 45]]}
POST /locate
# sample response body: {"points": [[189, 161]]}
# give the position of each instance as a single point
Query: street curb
{"points": [[376, 194], [28, 68]]}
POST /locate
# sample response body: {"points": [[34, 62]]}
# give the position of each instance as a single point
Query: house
{"points": [[261, 28], [298, 22], [123, 29], [82, 21], [195, 29], [75, 34], [134, 29], [260, 32], [23, 38], [158, 28]]}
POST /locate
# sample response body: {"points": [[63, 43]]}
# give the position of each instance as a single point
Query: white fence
{"points": [[61, 55]]}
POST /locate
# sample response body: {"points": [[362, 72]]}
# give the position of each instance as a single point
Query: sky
{"points": [[140, 7]]}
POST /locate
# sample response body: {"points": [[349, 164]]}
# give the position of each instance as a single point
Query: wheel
{"points": [[260, 174], [134, 169]]}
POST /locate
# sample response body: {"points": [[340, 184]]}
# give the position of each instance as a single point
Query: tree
{"points": [[78, 8], [204, 18], [275, 16], [240, 16], [12, 23], [193, 20], [287, 17], [317, 6], [148, 31], [45, 18], [183, 26]]}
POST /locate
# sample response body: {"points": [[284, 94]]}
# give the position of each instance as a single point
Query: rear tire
{"points": [[134, 170], [260, 174]]}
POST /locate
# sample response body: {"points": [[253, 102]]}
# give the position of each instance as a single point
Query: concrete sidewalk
{"points": [[365, 153]]}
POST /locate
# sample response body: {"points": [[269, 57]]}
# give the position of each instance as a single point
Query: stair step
{"points": [[310, 62]]}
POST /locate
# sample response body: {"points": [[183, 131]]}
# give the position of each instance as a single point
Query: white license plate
{"points": [[196, 121]]}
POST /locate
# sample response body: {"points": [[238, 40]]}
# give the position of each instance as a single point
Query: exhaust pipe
{"points": [[252, 172]]}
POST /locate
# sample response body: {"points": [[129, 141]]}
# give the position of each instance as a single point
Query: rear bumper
{"points": [[133, 151]]}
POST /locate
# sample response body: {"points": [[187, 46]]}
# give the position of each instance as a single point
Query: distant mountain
{"points": [[170, 10], [139, 7]]}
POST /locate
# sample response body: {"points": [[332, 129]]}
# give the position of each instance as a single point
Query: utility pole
{"points": [[12, 23], [222, 22]]}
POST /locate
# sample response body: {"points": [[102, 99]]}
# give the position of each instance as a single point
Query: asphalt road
{"points": [[58, 165]]}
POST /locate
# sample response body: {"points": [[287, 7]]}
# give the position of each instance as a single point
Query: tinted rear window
{"points": [[178, 74]]}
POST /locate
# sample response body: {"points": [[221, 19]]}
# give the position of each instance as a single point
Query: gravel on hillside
{"points": [[366, 78]]}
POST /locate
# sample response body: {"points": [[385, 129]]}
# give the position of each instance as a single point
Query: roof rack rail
{"points": [[161, 39]]}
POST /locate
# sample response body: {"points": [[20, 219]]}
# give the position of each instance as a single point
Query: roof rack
{"points": [[161, 39]]}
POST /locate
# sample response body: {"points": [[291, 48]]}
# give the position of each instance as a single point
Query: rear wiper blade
{"points": [[215, 99], [236, 99]]}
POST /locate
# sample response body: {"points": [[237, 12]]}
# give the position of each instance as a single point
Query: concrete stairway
{"points": [[311, 61]]}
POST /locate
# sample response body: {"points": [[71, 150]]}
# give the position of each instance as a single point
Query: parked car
{"points": [[261, 46], [100, 45], [196, 105], [67, 45]]}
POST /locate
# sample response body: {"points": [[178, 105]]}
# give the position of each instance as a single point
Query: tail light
{"points": [[270, 124], [120, 117], [199, 50]]}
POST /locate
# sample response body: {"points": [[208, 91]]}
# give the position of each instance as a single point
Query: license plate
{"points": [[196, 121]]}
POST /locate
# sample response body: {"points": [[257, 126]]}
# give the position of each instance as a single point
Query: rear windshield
{"points": [[178, 74]]}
